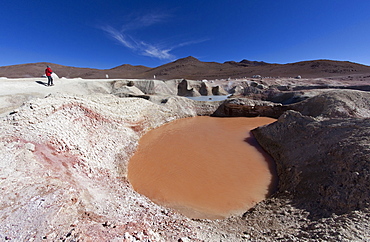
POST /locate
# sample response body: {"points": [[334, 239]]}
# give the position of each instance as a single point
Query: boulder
{"points": [[244, 107], [185, 89], [205, 89], [218, 90], [236, 90]]}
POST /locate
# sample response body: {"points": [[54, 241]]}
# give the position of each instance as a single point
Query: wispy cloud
{"points": [[141, 47], [119, 36], [145, 21], [153, 51]]}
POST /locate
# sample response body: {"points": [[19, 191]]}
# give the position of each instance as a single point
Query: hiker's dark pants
{"points": [[50, 80]]}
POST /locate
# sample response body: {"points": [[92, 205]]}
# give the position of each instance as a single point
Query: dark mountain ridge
{"points": [[192, 68]]}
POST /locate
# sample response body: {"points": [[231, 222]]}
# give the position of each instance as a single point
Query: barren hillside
{"points": [[192, 68]]}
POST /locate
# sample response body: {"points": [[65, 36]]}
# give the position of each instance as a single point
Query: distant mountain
{"points": [[130, 68], [38, 69], [247, 63], [192, 68], [189, 68]]}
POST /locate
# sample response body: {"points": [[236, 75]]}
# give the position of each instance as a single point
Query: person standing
{"points": [[48, 72]]}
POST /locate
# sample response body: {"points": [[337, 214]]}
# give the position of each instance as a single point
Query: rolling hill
{"points": [[192, 68]]}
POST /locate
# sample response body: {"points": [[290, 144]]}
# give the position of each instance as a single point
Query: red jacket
{"points": [[48, 71]]}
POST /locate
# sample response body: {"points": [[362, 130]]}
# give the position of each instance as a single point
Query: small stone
{"points": [[30, 147], [246, 236], [106, 224], [184, 239], [127, 235]]}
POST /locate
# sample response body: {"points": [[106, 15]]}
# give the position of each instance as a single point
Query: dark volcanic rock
{"points": [[217, 90], [186, 90], [205, 89]]}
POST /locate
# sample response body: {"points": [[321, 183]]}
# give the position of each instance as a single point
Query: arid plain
{"points": [[65, 149]]}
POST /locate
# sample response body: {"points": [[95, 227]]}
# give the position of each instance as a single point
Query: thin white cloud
{"points": [[153, 51], [145, 21], [190, 43], [143, 48], [119, 36], [139, 46]]}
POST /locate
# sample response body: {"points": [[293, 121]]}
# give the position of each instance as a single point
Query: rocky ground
{"points": [[64, 153]]}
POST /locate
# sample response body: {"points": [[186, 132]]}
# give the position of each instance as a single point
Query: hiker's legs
{"points": [[50, 81]]}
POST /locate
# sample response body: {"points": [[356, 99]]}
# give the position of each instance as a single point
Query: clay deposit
{"points": [[64, 153], [179, 165]]}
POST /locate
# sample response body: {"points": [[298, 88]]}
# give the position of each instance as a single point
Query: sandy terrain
{"points": [[10, 86], [64, 152], [15, 91]]}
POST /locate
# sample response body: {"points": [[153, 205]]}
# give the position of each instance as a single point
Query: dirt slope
{"points": [[192, 68], [38, 69]]}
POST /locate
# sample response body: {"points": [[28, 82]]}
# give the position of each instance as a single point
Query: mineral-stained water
{"points": [[203, 167]]}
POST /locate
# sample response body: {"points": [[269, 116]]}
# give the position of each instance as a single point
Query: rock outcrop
{"points": [[336, 104], [186, 90], [218, 90], [205, 89], [244, 107], [329, 104], [325, 165]]}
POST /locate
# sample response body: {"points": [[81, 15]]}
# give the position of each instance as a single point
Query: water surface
{"points": [[212, 98], [204, 167]]}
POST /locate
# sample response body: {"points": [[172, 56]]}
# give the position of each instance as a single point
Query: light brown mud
{"points": [[203, 167]]}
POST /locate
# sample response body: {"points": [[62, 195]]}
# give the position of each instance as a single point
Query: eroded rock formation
{"points": [[63, 161], [244, 107], [336, 104], [325, 165]]}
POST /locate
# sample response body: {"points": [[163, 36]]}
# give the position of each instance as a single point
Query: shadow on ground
{"points": [[42, 83]]}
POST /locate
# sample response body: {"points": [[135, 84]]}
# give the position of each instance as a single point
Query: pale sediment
{"points": [[63, 163]]}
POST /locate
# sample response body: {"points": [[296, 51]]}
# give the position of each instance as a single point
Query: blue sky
{"points": [[108, 33]]}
